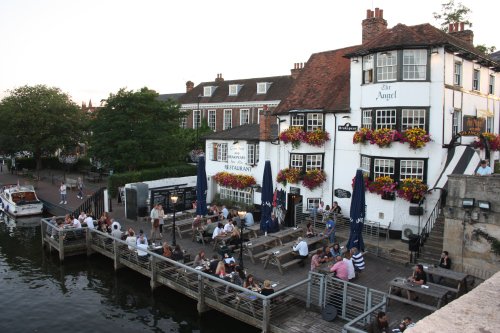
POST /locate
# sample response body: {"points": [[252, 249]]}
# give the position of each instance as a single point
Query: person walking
{"points": [[80, 188], [161, 217], [62, 192]]}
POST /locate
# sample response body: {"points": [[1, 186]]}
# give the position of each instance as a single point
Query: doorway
{"points": [[292, 200]]}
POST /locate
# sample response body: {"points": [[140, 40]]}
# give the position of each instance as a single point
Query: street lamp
{"points": [[173, 198], [198, 124], [241, 214]]}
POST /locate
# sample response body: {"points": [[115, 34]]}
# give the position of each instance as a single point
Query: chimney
{"points": [[189, 86], [297, 68], [373, 25], [219, 78], [265, 121], [458, 30]]}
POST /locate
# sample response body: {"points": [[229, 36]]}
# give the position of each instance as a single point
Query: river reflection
{"points": [[38, 294]]}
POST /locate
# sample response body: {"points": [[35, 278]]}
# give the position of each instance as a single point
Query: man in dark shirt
{"points": [[419, 277], [445, 261]]}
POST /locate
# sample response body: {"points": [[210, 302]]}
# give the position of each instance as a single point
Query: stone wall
{"points": [[466, 231]]}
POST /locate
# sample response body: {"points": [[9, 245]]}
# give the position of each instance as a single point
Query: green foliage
{"points": [[231, 204], [41, 120], [485, 49], [120, 179], [452, 13], [135, 128], [50, 163]]}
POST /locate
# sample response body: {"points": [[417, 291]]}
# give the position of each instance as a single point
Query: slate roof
{"points": [[248, 92], [165, 97], [323, 84], [422, 35], [248, 132]]}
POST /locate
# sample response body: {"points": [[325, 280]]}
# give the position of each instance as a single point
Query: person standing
{"points": [[330, 230], [79, 185], [379, 324], [357, 260], [154, 216], [484, 169], [62, 192], [161, 217]]}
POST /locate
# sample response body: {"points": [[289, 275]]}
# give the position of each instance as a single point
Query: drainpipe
{"points": [[334, 153]]}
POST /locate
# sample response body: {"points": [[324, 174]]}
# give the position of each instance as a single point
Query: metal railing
{"points": [[93, 205], [360, 323]]}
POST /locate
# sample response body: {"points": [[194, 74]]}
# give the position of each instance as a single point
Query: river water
{"points": [[39, 294]]}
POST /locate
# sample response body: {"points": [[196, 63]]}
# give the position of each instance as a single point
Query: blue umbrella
{"points": [[357, 214], [266, 206], [201, 188]]}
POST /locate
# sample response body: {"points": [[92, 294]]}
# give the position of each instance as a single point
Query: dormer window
{"points": [[234, 89], [262, 87], [208, 91]]}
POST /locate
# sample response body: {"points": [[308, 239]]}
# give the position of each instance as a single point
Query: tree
{"points": [[135, 127], [41, 120], [485, 49], [451, 13]]}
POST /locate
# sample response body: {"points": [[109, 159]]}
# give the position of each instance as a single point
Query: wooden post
{"points": [[61, 243], [88, 241], [42, 233], [153, 282], [266, 313], [201, 306], [116, 255]]}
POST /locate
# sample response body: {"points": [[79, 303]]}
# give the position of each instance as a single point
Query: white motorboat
{"points": [[20, 200]]}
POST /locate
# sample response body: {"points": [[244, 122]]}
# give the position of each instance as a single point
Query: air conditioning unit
{"points": [[408, 230]]}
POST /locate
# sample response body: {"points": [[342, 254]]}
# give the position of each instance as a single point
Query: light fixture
{"points": [[485, 206], [355, 59], [468, 203], [235, 142], [174, 198], [241, 214]]}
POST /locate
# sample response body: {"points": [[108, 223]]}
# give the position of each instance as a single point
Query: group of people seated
{"points": [[345, 264], [380, 324]]}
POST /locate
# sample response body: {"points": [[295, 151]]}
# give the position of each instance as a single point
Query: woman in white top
{"points": [[351, 274], [131, 240]]}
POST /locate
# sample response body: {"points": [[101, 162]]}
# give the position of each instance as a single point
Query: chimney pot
{"points": [[189, 86], [381, 12], [462, 24], [455, 26], [377, 12], [368, 13], [450, 27], [373, 26]]}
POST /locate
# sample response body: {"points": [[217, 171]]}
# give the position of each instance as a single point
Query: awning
{"points": [[461, 160]]}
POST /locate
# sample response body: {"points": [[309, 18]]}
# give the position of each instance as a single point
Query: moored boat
{"points": [[20, 200]]}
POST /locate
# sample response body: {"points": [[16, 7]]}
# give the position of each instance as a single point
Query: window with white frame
{"points": [[456, 122], [252, 153], [491, 85], [457, 74], [183, 122], [208, 91], [414, 64], [314, 121], [222, 152], [411, 169], [212, 120], [196, 119], [259, 112], [262, 87], [476, 79], [244, 116], [234, 89], [244, 195], [296, 161], [298, 120], [366, 165], [413, 118], [387, 66], [383, 167], [366, 121], [368, 69], [212, 152], [314, 162], [385, 118], [313, 203], [489, 124], [228, 119]]}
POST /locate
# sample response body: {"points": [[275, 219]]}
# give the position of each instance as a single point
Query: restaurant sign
{"points": [[237, 158], [347, 128], [341, 193], [473, 126]]}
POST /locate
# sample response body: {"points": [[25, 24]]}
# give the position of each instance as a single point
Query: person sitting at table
{"points": [[197, 225], [239, 276], [309, 230], [336, 208], [82, 216], [327, 254], [405, 323], [357, 260], [251, 284], [177, 254], [220, 271], [200, 259], [351, 272], [266, 288], [75, 223], [274, 225], [213, 264], [131, 240], [316, 260], [229, 262], [300, 250], [340, 269], [419, 277], [225, 212], [116, 233], [141, 236], [335, 250], [228, 228], [89, 221], [445, 261], [235, 235], [379, 324], [167, 250], [249, 221], [218, 231], [142, 255]]}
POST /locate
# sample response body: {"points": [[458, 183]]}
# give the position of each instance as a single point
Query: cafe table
{"points": [[458, 279], [435, 292]]}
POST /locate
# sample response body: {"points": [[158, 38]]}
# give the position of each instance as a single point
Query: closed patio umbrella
{"points": [[266, 206], [201, 188], [357, 213]]}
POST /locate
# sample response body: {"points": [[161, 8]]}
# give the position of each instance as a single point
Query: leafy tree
{"points": [[451, 13], [485, 49], [134, 127], [41, 120]]}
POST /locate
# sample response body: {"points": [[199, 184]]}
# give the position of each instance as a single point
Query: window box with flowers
{"points": [[234, 180], [493, 140], [412, 190], [313, 178], [416, 137], [288, 175], [383, 137], [385, 186], [317, 137], [296, 135]]}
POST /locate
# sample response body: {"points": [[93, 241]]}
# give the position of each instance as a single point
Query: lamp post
{"points": [[173, 198], [241, 214], [198, 124]]}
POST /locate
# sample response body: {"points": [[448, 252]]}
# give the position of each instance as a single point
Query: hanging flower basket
{"points": [[416, 137], [313, 178], [296, 135], [288, 175], [383, 137], [412, 190], [493, 140], [233, 180], [382, 185], [317, 137]]}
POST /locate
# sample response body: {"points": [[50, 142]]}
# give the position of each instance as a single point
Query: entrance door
{"points": [[292, 200]]}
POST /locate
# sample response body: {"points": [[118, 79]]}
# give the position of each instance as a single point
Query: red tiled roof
{"points": [[323, 84]]}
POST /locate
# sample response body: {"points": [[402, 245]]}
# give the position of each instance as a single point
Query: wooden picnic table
{"points": [[255, 247], [254, 229], [287, 233], [434, 291], [458, 278]]}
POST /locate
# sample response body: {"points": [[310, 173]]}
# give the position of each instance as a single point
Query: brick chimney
{"points": [[457, 30], [297, 68], [189, 86], [374, 24], [219, 78], [265, 122]]}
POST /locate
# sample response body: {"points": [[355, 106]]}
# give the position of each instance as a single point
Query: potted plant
{"points": [[313, 178], [412, 190]]}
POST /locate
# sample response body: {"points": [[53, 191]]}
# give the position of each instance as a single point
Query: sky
{"points": [[90, 49]]}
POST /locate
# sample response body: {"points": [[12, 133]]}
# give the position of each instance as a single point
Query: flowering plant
{"points": [[233, 180], [383, 137], [318, 137], [382, 184], [296, 135], [366, 179], [412, 189], [313, 178], [493, 140], [288, 175], [362, 135], [416, 137]]}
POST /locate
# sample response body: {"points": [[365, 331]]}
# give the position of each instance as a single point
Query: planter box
{"points": [[389, 196], [416, 211]]}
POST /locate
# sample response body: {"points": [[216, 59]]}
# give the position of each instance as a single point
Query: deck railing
{"points": [[93, 205]]}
